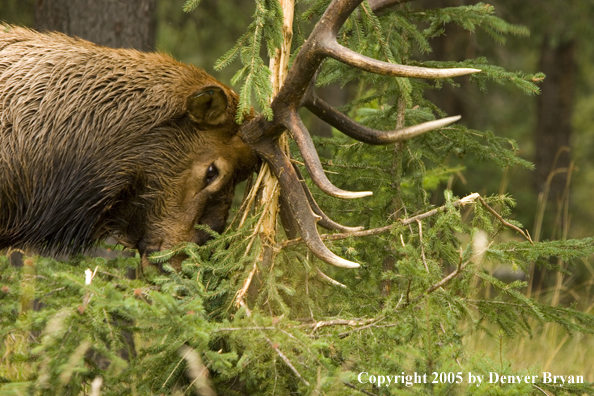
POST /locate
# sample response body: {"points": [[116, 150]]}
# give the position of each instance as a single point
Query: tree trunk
{"points": [[113, 23], [554, 111], [552, 138], [456, 45]]}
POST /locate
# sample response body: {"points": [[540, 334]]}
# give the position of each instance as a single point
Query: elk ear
{"points": [[208, 106]]}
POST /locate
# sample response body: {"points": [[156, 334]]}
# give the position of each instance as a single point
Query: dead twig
{"points": [[349, 385], [286, 360], [371, 326], [245, 328], [380, 230], [197, 371], [339, 322], [506, 223], [239, 299], [441, 283], [421, 243], [239, 302]]}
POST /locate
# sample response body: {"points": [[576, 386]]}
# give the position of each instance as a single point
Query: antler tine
{"points": [[294, 196], [322, 44], [380, 5], [262, 135], [325, 221], [312, 161], [352, 58], [365, 134], [336, 14]]}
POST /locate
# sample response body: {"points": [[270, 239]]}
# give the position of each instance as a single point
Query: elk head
{"points": [[201, 188], [97, 141], [298, 92]]}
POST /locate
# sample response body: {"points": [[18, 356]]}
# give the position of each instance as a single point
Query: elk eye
{"points": [[211, 173]]}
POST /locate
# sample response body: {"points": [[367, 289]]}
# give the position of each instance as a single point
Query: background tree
{"points": [[117, 24], [559, 46], [563, 39]]}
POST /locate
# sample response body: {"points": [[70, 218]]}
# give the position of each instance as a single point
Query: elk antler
{"points": [[297, 92]]}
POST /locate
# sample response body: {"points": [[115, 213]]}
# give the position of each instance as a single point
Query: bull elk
{"points": [[98, 141]]}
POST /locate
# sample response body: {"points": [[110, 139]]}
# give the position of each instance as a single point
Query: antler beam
{"points": [[297, 92], [344, 124]]}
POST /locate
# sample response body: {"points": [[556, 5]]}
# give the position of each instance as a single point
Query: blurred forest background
{"points": [[555, 130]]}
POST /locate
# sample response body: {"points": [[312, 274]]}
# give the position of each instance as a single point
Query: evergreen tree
{"points": [[284, 322]]}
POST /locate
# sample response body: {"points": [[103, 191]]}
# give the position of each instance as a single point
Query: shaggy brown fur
{"points": [[97, 141]]}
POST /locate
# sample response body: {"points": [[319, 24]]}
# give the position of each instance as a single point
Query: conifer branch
{"points": [[380, 230], [441, 283], [314, 326], [286, 360], [348, 384], [540, 389], [222, 329], [506, 223]]}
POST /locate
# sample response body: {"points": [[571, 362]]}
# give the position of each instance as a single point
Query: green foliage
{"points": [[191, 5], [302, 327], [470, 17], [254, 75]]}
